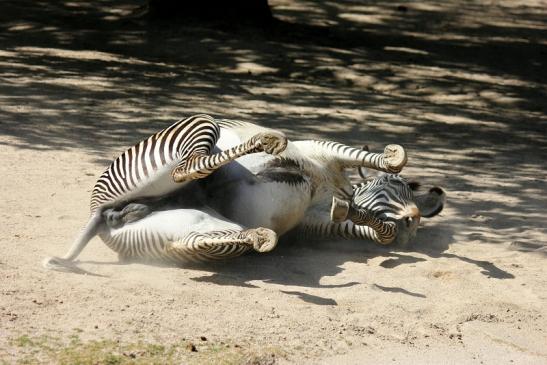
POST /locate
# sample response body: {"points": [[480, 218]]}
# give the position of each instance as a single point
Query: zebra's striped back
{"points": [[144, 170]]}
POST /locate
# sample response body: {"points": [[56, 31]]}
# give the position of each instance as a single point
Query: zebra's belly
{"points": [[275, 205], [148, 237], [261, 190]]}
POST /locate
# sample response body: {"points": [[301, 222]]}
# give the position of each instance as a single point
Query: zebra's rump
{"points": [[142, 243], [144, 169]]}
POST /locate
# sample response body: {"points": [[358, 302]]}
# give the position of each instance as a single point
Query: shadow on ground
{"points": [[304, 264]]}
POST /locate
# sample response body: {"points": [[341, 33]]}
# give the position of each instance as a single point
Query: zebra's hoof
{"points": [[273, 143], [60, 264], [262, 239], [339, 210], [395, 158]]}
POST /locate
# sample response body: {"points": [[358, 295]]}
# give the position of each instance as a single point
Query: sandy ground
{"points": [[461, 85]]}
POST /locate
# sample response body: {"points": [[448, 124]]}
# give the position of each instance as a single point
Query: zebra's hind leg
{"points": [[130, 213], [200, 165], [218, 245]]}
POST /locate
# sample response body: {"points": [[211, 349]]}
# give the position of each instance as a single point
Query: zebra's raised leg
{"points": [[199, 165], [130, 213], [392, 160], [342, 210], [218, 245]]}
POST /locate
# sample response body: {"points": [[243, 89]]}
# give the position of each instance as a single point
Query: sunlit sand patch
{"points": [[461, 120], [406, 50], [21, 27], [365, 18], [85, 55], [4, 53], [252, 67]]}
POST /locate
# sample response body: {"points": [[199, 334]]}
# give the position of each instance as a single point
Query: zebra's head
{"points": [[392, 199]]}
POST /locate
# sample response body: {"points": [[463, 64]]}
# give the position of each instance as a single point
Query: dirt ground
{"points": [[461, 84]]}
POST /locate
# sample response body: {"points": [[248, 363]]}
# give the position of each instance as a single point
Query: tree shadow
{"points": [[97, 77]]}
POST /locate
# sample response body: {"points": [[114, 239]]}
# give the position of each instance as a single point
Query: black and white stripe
{"points": [[374, 212], [351, 156], [386, 196], [139, 165], [149, 244]]}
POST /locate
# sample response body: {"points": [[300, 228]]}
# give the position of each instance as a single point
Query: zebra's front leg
{"points": [[392, 160], [219, 245], [317, 224], [199, 165], [341, 210]]}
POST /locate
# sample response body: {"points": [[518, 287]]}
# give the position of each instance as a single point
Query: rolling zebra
{"points": [[239, 206]]}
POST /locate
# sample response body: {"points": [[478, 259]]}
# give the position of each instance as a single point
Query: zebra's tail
{"points": [[66, 263]]}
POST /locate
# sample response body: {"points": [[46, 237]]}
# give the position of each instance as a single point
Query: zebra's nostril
{"points": [[408, 221]]}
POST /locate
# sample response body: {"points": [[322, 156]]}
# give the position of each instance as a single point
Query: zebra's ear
{"points": [[431, 203], [414, 185]]}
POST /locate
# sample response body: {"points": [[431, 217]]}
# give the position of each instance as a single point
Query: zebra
{"points": [[247, 204], [386, 201]]}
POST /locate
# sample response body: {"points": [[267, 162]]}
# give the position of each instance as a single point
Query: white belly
{"points": [[239, 192], [277, 206], [175, 223]]}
